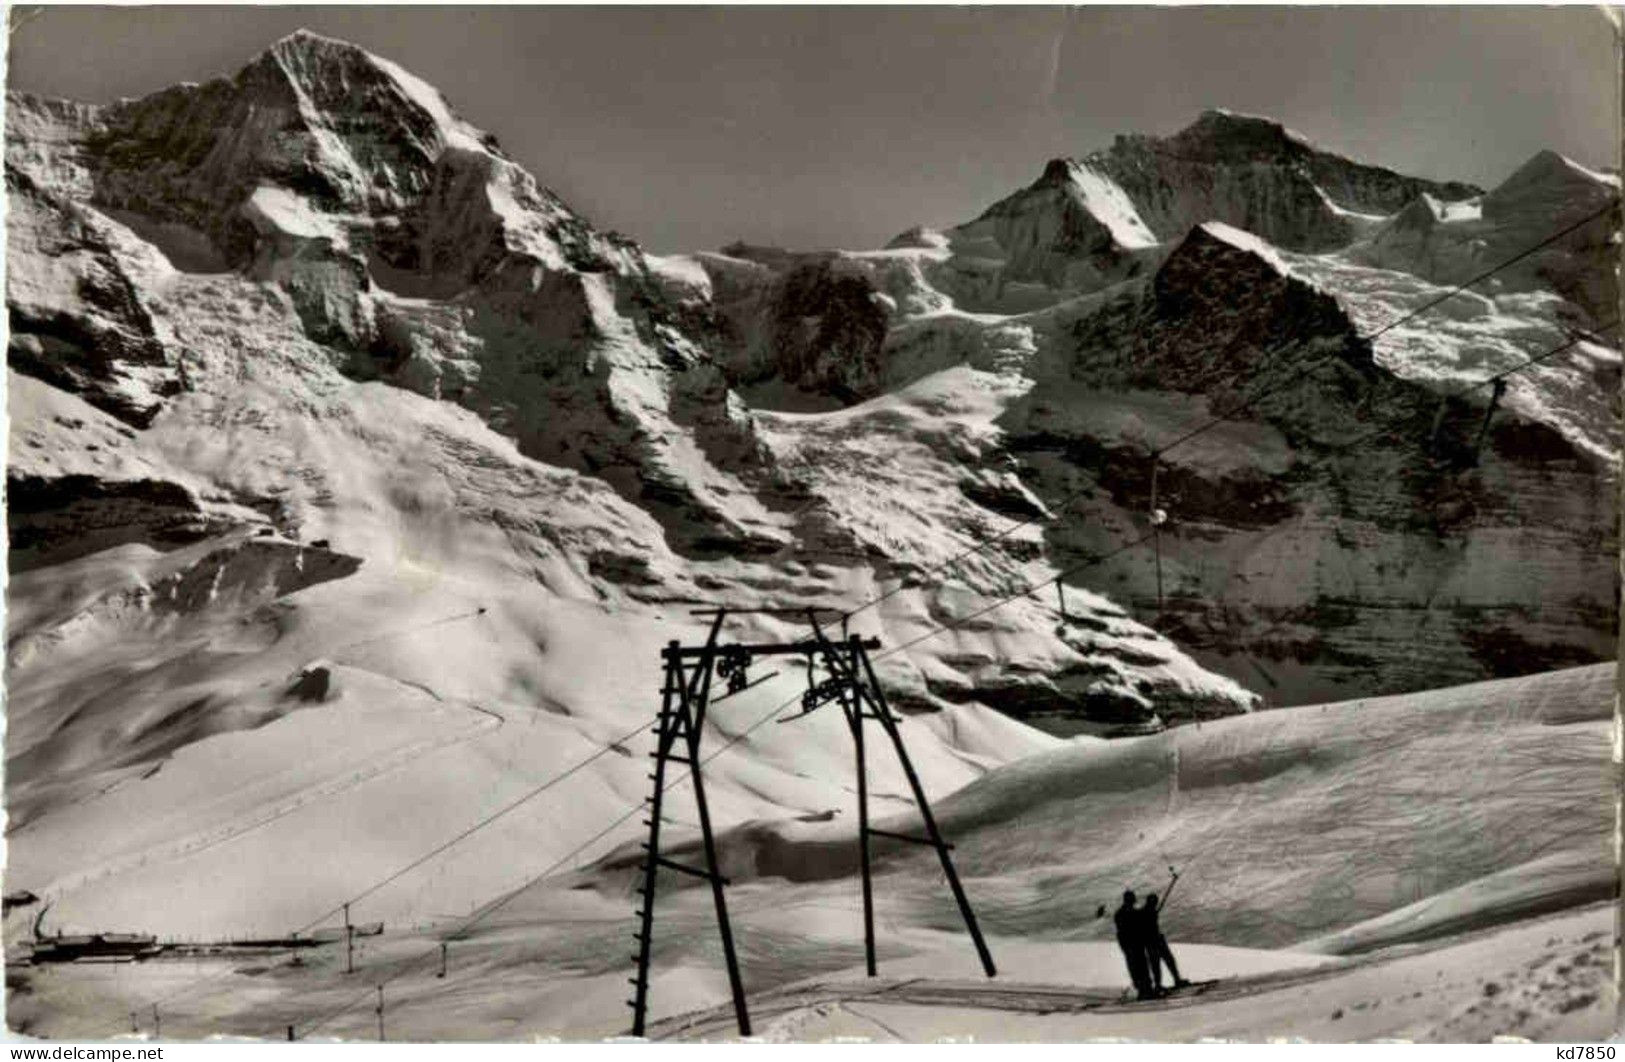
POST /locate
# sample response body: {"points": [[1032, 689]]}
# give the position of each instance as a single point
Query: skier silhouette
{"points": [[1156, 947], [1131, 938]]}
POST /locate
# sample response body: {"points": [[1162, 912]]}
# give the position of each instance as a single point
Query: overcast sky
{"points": [[687, 128]]}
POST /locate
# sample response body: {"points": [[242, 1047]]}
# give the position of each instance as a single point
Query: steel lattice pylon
{"points": [[685, 697]]}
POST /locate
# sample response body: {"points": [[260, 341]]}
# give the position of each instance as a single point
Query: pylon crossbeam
{"points": [[686, 696]]}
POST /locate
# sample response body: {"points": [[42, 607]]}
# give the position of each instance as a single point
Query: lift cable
{"points": [[1026, 591], [1405, 318], [953, 624], [1214, 421]]}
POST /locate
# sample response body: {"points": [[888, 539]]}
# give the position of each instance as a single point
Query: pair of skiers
{"points": [[1145, 949]]}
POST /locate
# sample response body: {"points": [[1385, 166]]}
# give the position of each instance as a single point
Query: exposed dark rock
{"points": [[1252, 173], [51, 520], [315, 685]]}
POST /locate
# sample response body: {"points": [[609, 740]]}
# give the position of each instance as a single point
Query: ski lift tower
{"points": [[686, 696]]}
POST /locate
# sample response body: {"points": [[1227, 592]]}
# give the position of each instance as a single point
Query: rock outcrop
{"points": [[1257, 175], [324, 215], [1450, 243], [80, 319], [1341, 509], [1163, 281], [405, 240]]}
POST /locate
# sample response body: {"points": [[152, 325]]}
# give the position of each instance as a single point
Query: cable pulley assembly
{"points": [[731, 666]]}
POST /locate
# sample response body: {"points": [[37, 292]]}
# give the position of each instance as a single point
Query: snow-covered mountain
{"points": [[1136, 292], [355, 480]]}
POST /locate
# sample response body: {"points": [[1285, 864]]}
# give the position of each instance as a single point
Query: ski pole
{"points": [[1172, 881]]}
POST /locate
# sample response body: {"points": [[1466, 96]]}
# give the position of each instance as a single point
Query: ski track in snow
{"points": [[264, 816]]}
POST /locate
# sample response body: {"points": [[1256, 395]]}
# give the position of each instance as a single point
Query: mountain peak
{"points": [[306, 37], [333, 76], [1549, 166], [1223, 113], [1224, 118], [303, 48], [1057, 172], [1225, 136]]}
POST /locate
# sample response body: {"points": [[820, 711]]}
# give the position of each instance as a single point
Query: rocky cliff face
{"points": [[80, 320], [1449, 243], [1072, 229], [324, 216], [1341, 556], [1146, 287], [1257, 175], [405, 241], [1110, 216], [310, 303]]}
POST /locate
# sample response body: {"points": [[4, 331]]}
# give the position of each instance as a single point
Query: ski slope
{"points": [[1261, 813], [1547, 980], [1479, 816]]}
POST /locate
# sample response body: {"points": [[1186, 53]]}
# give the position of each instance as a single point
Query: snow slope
{"points": [[1261, 813], [1258, 812], [1546, 981]]}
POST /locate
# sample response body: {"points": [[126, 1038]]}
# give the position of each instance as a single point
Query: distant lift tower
{"points": [[851, 683]]}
